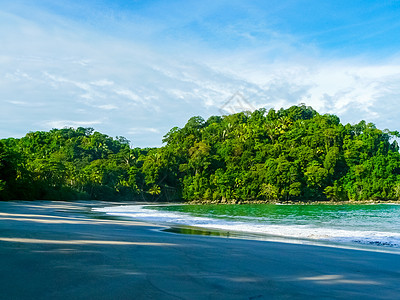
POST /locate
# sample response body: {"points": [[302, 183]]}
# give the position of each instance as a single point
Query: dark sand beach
{"points": [[61, 250]]}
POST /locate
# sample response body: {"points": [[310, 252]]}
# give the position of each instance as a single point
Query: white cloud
{"points": [[62, 80], [26, 104], [67, 123], [335, 86], [102, 82], [129, 94], [108, 106], [143, 130]]}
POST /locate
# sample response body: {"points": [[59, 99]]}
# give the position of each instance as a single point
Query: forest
{"points": [[293, 154]]}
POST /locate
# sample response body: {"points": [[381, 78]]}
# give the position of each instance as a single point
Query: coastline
{"points": [[58, 250], [208, 222], [290, 202]]}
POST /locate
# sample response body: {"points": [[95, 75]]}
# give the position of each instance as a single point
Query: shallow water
{"points": [[377, 225]]}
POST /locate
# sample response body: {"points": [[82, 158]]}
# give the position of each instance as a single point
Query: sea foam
{"points": [[246, 225]]}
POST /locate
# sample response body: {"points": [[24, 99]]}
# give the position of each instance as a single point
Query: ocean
{"points": [[376, 225]]}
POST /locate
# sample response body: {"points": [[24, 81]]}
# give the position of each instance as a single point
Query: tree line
{"points": [[292, 154]]}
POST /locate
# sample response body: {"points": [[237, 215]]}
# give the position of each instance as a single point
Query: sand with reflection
{"points": [[60, 250]]}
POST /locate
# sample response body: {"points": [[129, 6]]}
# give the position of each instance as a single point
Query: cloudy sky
{"points": [[137, 68]]}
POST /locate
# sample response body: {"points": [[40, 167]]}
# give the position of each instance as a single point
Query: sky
{"points": [[138, 68]]}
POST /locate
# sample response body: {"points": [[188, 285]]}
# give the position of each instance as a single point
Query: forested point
{"points": [[293, 154]]}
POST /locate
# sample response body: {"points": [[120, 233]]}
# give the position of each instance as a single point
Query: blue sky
{"points": [[139, 68]]}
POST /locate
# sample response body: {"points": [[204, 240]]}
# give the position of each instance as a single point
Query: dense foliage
{"points": [[290, 154], [70, 164]]}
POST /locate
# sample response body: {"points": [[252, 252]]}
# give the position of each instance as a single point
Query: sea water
{"points": [[377, 225]]}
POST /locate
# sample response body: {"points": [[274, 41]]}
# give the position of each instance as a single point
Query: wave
{"points": [[245, 225]]}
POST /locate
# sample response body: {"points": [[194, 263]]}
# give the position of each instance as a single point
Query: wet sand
{"points": [[60, 250]]}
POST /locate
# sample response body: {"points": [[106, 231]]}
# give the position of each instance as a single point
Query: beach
{"points": [[61, 250]]}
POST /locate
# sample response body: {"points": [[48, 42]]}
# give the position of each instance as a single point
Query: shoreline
{"points": [[57, 250], [277, 202], [220, 233], [182, 224]]}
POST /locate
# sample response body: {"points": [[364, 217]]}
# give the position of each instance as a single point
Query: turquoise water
{"points": [[380, 217], [377, 225]]}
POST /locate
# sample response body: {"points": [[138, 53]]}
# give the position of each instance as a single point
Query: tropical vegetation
{"points": [[291, 154]]}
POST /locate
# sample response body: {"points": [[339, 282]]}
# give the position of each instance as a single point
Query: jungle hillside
{"points": [[293, 154]]}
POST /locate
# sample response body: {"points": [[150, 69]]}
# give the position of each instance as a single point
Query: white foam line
{"points": [[140, 212]]}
